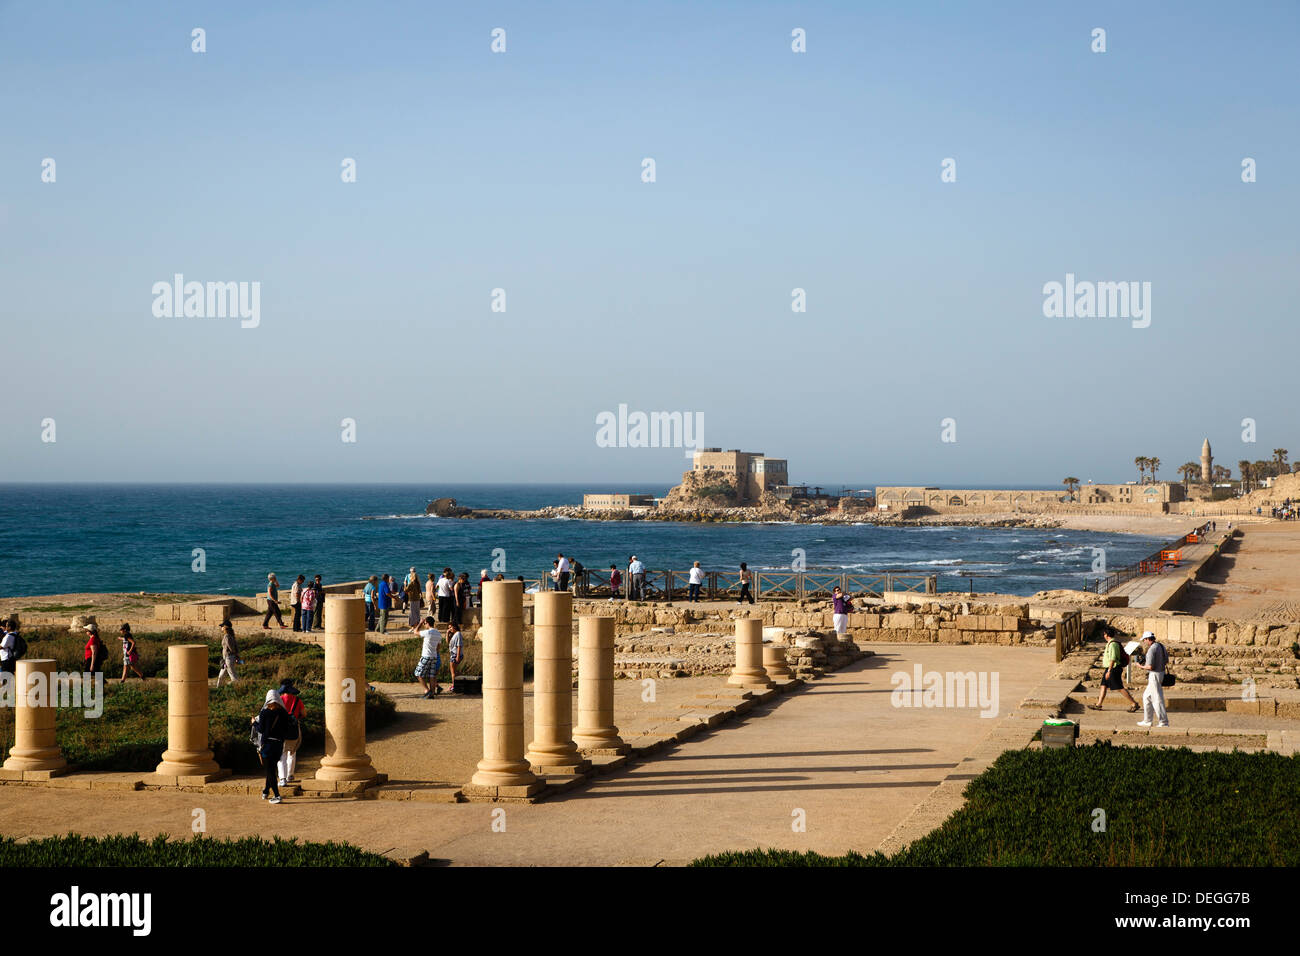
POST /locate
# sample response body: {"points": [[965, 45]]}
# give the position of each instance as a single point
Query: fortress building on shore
{"points": [[1155, 497], [755, 472]]}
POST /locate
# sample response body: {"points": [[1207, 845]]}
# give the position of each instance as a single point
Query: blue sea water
{"points": [[59, 538]]}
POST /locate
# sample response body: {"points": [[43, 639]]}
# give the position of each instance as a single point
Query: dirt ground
{"points": [[1258, 581]]}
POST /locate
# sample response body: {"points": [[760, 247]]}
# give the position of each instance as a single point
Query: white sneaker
{"points": [[274, 800], [1163, 725], [1144, 723], [282, 781]]}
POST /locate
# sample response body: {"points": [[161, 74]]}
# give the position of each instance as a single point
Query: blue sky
{"points": [[521, 171]]}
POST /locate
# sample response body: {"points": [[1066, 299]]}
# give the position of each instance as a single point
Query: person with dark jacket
{"points": [[273, 726], [318, 621]]}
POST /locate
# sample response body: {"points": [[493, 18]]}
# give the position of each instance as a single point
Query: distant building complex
{"points": [[754, 471]]}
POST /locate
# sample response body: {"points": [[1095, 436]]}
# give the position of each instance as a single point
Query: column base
{"points": [[182, 764], [336, 770]]}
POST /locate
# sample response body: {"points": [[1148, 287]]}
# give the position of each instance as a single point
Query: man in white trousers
{"points": [[1155, 660]]}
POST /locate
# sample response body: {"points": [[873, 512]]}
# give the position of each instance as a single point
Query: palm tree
{"points": [[1153, 464], [1243, 467], [1070, 485], [1219, 473], [1279, 455], [1141, 467], [1189, 471]]}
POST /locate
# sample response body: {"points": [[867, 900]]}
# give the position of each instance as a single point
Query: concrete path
{"points": [[1154, 590], [837, 756]]}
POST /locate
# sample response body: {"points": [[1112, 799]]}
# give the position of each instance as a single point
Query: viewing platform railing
{"points": [[667, 585]]}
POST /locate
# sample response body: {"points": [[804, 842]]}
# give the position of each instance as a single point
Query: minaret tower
{"points": [[1207, 474]]}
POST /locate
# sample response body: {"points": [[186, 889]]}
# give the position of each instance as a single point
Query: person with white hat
{"points": [[1155, 660], [273, 726]]}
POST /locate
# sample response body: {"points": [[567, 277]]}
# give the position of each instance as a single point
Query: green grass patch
{"points": [[131, 733], [1164, 808], [78, 851]]}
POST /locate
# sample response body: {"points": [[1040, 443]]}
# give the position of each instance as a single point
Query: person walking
{"points": [[9, 646], [426, 671], [273, 726], [291, 700], [318, 619], [745, 579], [695, 579], [446, 596], [615, 582], [295, 599], [841, 608], [455, 652], [96, 651], [229, 653], [272, 602], [130, 655], [1154, 661], [562, 564], [371, 613], [384, 595], [1113, 661], [308, 607]]}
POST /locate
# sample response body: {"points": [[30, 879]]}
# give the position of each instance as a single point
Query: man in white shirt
{"points": [[564, 572], [696, 579], [430, 661], [636, 580]]}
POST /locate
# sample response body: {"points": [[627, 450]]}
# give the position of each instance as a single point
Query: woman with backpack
{"points": [[12, 646], [1113, 662], [291, 700], [130, 656], [272, 726]]}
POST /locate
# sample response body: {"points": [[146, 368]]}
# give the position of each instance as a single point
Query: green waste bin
{"points": [[1059, 733]]}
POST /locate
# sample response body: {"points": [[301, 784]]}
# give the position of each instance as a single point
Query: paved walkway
{"points": [[837, 754], [1153, 590]]}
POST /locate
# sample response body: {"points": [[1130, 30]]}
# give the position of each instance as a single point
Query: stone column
{"points": [[748, 672], [34, 749], [345, 760], [596, 732], [187, 753], [774, 662], [553, 750], [502, 633]]}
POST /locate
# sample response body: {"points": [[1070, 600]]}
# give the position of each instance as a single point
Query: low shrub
{"points": [[1163, 808], [79, 851]]}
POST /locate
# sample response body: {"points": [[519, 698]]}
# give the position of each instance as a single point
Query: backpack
{"points": [[1122, 655], [293, 706], [20, 647], [255, 737]]}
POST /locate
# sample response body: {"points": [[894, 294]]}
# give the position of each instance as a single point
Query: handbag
{"points": [[1168, 680]]}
